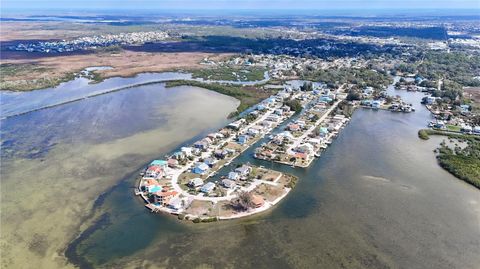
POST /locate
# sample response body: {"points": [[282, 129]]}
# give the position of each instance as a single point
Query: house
{"points": [[154, 171], [257, 201], [243, 170], [208, 187], [210, 161], [476, 130], [368, 90], [195, 182], [175, 203], [278, 112], [187, 151], [233, 175], [242, 139], [305, 148], [202, 144], [172, 163], [376, 104], [237, 124], [261, 107], [200, 168], [464, 108], [163, 197], [323, 131], [227, 183], [220, 154], [294, 127], [179, 155], [253, 131], [300, 155], [273, 118]]}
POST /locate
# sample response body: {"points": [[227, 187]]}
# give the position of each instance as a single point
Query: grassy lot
{"points": [[248, 95], [9, 74], [230, 73], [453, 128], [464, 163]]}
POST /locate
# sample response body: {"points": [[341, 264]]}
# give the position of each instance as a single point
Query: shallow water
{"points": [[57, 161], [17, 103], [375, 199]]}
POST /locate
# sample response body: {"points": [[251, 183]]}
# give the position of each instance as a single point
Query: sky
{"points": [[79, 5]]}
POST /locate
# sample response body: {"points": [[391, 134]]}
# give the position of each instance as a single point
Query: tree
{"points": [[294, 105], [243, 202], [352, 95], [307, 86]]}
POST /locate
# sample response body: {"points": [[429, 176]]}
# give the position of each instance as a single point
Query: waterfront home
{"points": [[163, 197], [440, 125], [210, 161], [252, 131], [201, 168], [286, 135], [172, 163], [261, 107], [273, 118], [154, 171], [257, 201], [366, 102], [242, 139], [300, 155], [179, 155], [195, 182], [476, 130], [220, 154], [243, 170], [464, 108], [368, 91], [293, 127], [176, 203], [202, 144], [323, 131], [237, 124], [305, 148], [187, 151], [266, 124], [227, 183], [208, 187], [233, 176], [278, 112], [376, 104]]}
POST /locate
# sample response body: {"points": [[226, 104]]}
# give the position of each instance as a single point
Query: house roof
{"points": [[202, 166], [166, 193], [155, 168]]}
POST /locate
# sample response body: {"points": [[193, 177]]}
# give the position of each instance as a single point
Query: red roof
{"points": [[155, 168], [166, 193], [300, 155]]}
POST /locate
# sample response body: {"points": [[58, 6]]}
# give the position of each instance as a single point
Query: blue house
{"points": [[201, 168], [242, 139], [376, 104]]}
